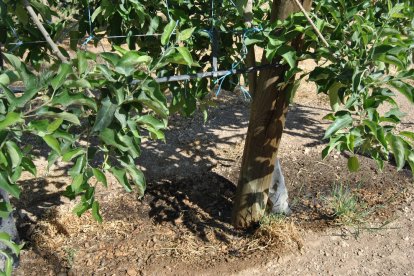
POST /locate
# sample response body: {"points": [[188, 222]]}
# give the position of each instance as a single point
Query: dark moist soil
{"points": [[182, 224]]}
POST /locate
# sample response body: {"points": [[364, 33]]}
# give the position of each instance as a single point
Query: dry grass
{"points": [[277, 232], [60, 230], [63, 236]]}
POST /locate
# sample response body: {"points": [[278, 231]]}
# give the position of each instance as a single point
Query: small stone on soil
{"points": [[132, 272]]}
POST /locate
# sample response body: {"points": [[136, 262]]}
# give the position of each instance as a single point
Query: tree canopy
{"points": [[93, 109]]}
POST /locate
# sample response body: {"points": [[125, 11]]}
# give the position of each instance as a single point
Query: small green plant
{"points": [[269, 219], [347, 208], [70, 256]]}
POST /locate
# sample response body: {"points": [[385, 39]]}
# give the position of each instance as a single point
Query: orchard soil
{"points": [[182, 224]]}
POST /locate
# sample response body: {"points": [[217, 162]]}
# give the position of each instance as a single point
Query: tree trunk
{"points": [[267, 121], [251, 55]]}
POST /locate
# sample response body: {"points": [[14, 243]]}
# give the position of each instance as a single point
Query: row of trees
{"points": [[111, 100]]}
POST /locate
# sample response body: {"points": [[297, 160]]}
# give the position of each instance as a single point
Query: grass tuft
{"points": [[347, 208]]}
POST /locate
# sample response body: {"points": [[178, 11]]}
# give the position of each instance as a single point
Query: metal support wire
{"points": [[201, 75], [215, 73]]}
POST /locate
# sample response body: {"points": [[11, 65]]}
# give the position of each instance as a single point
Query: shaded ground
{"points": [[182, 225]]}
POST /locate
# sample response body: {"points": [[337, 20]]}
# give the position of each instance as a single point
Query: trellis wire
{"points": [[213, 32], [201, 75]]}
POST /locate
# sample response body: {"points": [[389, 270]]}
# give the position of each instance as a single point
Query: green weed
{"points": [[347, 208]]}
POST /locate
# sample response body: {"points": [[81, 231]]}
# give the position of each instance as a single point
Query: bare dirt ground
{"points": [[182, 225]]}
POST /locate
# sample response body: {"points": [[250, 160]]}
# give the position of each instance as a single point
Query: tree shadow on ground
{"points": [[34, 201], [301, 122], [183, 187], [186, 187], [202, 204]]}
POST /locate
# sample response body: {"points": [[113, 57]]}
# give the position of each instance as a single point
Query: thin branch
{"points": [[311, 22], [45, 34]]}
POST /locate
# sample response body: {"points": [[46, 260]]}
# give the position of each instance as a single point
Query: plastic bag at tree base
{"points": [[278, 194]]}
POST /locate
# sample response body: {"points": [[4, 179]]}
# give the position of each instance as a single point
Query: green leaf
{"points": [[64, 70], [8, 77], [79, 166], [120, 175], [81, 208], [155, 22], [81, 83], [100, 176], [105, 115], [404, 88], [8, 266], [165, 37], [410, 160], [82, 62], [28, 95], [16, 174], [138, 178], [54, 125], [72, 118], [77, 183], [29, 79], [372, 126], [96, 13], [43, 10], [185, 53], [51, 159], [72, 154], [39, 127], [10, 119], [341, 121], [150, 120], [95, 212], [6, 185], [398, 149], [112, 58], [106, 72], [391, 59], [407, 134], [6, 239], [353, 164], [5, 209], [53, 143], [127, 65], [333, 95], [67, 99], [109, 137], [186, 34], [14, 153], [10, 97], [290, 57], [131, 144], [21, 14], [29, 166], [356, 80]]}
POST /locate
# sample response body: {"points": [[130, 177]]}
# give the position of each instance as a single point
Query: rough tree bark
{"points": [[267, 120], [251, 55]]}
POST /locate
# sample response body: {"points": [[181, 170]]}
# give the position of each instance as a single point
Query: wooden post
{"points": [[267, 120]]}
